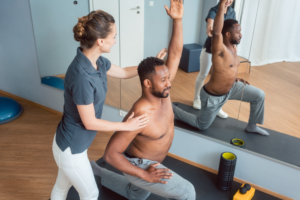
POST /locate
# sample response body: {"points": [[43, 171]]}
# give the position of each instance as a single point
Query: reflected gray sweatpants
{"points": [[134, 188], [210, 106]]}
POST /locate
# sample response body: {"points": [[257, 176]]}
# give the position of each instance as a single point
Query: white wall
{"points": [[158, 25], [19, 72]]}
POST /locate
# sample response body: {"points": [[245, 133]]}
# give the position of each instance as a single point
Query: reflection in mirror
{"points": [[275, 70], [131, 91], [53, 23], [55, 44], [113, 95], [189, 80], [194, 32], [156, 31], [182, 88]]}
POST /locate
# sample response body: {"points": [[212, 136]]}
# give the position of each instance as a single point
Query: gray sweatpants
{"points": [[134, 188], [210, 106]]}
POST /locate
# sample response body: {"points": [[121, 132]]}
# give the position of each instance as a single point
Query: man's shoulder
{"points": [[141, 107]]}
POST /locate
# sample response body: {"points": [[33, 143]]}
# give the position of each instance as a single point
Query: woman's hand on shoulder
{"points": [[135, 123]]}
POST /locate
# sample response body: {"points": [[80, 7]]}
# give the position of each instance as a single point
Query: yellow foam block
{"points": [[248, 196]]}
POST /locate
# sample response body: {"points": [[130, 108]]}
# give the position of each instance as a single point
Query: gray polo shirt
{"points": [[83, 85], [212, 14]]}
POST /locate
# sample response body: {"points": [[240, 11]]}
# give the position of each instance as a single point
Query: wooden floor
{"points": [[280, 82], [27, 167]]}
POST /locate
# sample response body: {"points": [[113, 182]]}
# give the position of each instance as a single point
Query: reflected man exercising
{"points": [[224, 84], [148, 146]]}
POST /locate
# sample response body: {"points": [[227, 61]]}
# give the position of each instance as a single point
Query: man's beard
{"points": [[235, 41], [160, 94]]}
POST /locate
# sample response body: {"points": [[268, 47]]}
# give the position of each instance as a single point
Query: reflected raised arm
{"points": [[217, 38], [176, 42]]}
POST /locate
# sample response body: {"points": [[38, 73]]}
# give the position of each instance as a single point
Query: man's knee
{"points": [[191, 192], [203, 125], [140, 195], [137, 193], [188, 192], [260, 94]]}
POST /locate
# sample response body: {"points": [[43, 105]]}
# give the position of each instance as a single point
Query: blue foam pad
{"points": [[54, 82], [9, 110]]}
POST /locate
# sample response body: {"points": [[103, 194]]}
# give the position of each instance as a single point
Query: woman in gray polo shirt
{"points": [[85, 92], [205, 57]]}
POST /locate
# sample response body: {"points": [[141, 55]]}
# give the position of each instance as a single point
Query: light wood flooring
{"points": [[279, 81], [27, 167]]}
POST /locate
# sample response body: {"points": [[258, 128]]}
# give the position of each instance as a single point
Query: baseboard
{"points": [[235, 179], [39, 105]]}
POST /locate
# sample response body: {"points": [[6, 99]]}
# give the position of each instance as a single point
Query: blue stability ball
{"points": [[54, 82], [9, 110]]}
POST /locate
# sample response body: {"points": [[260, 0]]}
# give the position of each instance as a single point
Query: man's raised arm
{"points": [[176, 42], [217, 39]]}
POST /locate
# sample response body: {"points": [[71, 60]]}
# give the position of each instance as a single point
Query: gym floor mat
{"points": [[277, 145], [203, 181]]}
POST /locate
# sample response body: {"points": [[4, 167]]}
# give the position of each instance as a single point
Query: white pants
{"points": [[205, 65], [73, 170]]}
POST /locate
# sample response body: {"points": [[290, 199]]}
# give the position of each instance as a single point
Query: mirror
{"points": [[157, 31], [53, 23], [275, 70], [261, 63]]}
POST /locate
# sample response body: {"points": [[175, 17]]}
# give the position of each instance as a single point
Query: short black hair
{"points": [[146, 68], [228, 25]]}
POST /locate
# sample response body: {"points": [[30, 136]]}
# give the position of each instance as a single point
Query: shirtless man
{"points": [[138, 154], [224, 84]]}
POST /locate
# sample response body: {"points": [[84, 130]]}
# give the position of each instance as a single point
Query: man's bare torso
{"points": [[224, 72], [156, 139]]}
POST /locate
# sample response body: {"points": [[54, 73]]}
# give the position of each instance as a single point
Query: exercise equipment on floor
{"points": [[9, 110], [226, 171], [246, 192], [54, 82], [238, 142]]}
